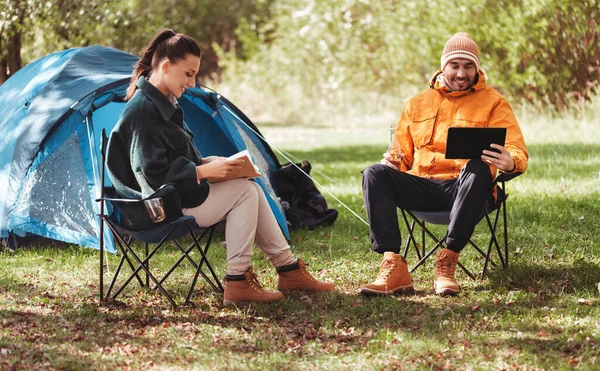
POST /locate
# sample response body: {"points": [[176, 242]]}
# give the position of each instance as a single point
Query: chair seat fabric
{"points": [[433, 217], [443, 217], [155, 235]]}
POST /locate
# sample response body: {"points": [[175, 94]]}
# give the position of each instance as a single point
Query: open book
{"points": [[248, 170]]}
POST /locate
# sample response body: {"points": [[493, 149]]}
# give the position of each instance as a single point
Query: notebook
{"points": [[468, 143]]}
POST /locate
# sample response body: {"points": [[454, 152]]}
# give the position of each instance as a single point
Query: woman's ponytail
{"points": [[144, 65]]}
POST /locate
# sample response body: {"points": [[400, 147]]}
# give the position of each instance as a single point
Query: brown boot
{"points": [[393, 277], [295, 277], [445, 268], [244, 289]]}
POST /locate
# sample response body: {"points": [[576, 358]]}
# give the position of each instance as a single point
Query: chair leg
{"points": [[101, 278], [411, 238], [142, 266], [438, 244], [505, 225], [218, 287], [210, 230], [124, 246], [493, 242], [147, 265]]}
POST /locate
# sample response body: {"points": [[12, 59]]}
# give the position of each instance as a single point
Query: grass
{"points": [[543, 312]]}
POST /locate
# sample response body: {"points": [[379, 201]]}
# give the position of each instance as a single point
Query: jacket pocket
{"points": [[422, 124], [178, 139], [424, 163], [472, 119]]}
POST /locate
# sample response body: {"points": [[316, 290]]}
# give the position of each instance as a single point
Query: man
{"points": [[420, 178]]}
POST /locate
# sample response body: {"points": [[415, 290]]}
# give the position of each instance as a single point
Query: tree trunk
{"points": [[14, 53], [3, 55], [10, 58]]}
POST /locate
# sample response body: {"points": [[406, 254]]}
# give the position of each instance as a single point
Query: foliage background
{"points": [[327, 56]]}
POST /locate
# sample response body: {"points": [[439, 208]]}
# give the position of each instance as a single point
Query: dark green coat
{"points": [[152, 137]]}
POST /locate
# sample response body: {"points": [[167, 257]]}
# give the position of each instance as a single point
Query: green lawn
{"points": [[543, 312]]}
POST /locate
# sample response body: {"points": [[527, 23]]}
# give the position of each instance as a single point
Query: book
{"points": [[248, 169]]}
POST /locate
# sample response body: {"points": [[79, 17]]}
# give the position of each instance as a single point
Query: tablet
{"points": [[469, 143]]}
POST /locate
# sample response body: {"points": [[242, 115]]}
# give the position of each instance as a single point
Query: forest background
{"points": [[339, 61]]}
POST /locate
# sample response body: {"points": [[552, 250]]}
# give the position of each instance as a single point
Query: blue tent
{"points": [[52, 112]]}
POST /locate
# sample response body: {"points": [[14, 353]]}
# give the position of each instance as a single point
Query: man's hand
{"points": [[391, 161], [503, 160]]}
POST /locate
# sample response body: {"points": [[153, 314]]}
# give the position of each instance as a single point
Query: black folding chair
{"points": [[491, 214], [129, 222]]}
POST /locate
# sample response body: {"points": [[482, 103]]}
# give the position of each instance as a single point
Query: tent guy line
{"points": [[292, 160]]}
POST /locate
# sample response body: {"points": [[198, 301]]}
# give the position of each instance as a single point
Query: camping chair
{"points": [[491, 213], [129, 222]]}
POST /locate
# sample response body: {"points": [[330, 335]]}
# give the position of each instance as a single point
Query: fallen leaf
{"points": [[306, 301]]}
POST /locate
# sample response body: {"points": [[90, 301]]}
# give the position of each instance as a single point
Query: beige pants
{"points": [[249, 220]]}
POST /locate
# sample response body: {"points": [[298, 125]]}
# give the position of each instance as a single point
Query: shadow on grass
{"points": [[71, 331], [553, 278]]}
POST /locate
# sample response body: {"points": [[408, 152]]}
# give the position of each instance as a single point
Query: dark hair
{"points": [[166, 44]]}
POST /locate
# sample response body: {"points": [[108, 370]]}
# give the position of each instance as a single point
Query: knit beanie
{"points": [[461, 45]]}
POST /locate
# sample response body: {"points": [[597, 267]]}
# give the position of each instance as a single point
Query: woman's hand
{"points": [[392, 161], [218, 169], [503, 160], [206, 160]]}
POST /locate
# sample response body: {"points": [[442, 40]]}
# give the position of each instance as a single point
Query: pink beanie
{"points": [[461, 45]]}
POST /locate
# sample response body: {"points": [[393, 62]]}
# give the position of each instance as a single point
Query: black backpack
{"points": [[304, 205]]}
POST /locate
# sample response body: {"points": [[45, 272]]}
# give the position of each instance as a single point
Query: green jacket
{"points": [[152, 137]]}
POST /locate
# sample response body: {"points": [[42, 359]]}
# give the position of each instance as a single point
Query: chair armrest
{"points": [[124, 200], [133, 215], [503, 177], [130, 200]]}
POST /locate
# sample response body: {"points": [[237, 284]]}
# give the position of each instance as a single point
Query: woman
{"points": [[152, 137]]}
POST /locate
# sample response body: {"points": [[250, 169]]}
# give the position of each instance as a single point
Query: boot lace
{"points": [[253, 282], [302, 266], [386, 269], [445, 266]]}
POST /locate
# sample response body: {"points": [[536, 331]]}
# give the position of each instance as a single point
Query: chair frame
{"points": [[491, 215], [130, 257]]}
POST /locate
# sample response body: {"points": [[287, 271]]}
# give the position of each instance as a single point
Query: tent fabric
{"points": [[52, 112]]}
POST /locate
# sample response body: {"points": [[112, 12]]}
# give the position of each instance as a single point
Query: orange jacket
{"points": [[426, 117]]}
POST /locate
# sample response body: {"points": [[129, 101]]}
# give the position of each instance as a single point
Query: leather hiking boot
{"points": [[295, 277], [445, 268], [244, 289], [393, 277]]}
